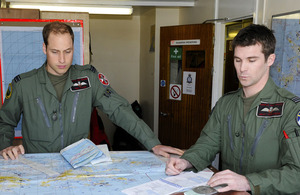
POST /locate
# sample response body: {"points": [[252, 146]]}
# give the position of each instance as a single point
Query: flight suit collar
{"points": [[264, 95], [43, 79]]}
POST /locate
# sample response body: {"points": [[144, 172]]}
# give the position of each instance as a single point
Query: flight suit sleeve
{"points": [[120, 113], [10, 113], [286, 178], [203, 152]]}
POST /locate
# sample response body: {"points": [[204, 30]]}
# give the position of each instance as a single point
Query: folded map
{"points": [[81, 153]]}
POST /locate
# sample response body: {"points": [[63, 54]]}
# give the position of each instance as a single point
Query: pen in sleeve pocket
{"points": [[285, 135], [297, 133]]}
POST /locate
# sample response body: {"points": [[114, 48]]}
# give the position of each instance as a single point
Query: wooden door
{"points": [[185, 50]]}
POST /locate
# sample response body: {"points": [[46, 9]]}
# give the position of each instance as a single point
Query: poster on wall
{"points": [[189, 83]]}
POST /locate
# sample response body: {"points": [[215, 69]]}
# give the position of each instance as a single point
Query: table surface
{"points": [[127, 169]]}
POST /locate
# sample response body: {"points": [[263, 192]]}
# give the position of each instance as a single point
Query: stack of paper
{"points": [[83, 152]]}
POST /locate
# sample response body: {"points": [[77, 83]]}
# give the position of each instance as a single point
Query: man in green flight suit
{"points": [[255, 129], [57, 99]]}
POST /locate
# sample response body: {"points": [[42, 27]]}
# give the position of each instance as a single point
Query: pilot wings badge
{"points": [[270, 109], [80, 84]]}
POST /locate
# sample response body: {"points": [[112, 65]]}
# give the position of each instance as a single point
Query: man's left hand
{"points": [[233, 180], [165, 151]]}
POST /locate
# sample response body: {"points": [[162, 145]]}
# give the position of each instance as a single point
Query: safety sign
{"points": [[175, 92]]}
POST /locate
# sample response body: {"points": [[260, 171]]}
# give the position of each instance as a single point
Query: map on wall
{"points": [[286, 69], [21, 51]]}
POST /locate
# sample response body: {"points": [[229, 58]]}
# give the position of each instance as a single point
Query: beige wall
{"points": [[274, 7], [203, 10], [115, 45], [147, 62]]}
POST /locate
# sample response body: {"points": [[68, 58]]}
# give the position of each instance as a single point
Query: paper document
{"points": [[103, 158], [171, 184]]}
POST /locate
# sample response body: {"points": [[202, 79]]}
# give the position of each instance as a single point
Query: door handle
{"points": [[164, 114]]}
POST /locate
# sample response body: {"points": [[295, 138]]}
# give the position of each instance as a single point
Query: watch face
{"points": [[204, 190]]}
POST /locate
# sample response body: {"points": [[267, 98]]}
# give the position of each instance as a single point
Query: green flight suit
{"points": [[254, 146], [49, 125]]}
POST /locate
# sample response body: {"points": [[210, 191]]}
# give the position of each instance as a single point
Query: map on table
{"points": [[127, 169]]}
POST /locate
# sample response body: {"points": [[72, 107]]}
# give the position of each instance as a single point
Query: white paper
{"points": [[189, 83], [171, 184]]}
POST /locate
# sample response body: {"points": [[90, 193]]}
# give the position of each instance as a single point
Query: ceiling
{"points": [[155, 3]]}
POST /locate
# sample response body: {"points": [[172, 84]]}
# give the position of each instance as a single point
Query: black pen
{"points": [[296, 132]]}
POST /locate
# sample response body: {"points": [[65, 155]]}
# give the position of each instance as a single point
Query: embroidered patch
{"points": [[9, 91], [107, 93], [93, 69], [103, 79], [80, 84], [296, 99], [270, 109], [298, 118], [17, 78]]}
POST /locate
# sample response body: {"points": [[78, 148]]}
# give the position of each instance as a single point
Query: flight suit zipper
{"points": [[258, 135], [42, 107], [74, 107], [230, 132], [243, 146], [61, 126]]}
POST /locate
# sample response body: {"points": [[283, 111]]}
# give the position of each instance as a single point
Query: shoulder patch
{"points": [[17, 78], [296, 99], [93, 69], [9, 91], [298, 118], [24, 75], [85, 67], [103, 79]]}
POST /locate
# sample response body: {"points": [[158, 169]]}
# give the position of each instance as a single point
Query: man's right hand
{"points": [[175, 166], [12, 152]]}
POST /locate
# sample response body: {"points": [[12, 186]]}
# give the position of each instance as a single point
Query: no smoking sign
{"points": [[175, 92]]}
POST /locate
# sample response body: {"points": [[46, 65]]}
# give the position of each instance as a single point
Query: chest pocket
{"points": [[262, 128], [43, 110]]}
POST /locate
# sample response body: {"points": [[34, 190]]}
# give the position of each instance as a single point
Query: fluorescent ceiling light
{"points": [[120, 10]]}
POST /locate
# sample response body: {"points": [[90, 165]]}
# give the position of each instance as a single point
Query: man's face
{"points": [[251, 67], [59, 53]]}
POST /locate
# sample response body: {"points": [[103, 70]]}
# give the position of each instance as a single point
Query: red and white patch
{"points": [[103, 79]]}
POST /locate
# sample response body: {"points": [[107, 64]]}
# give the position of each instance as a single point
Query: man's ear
{"points": [[271, 59], [44, 48]]}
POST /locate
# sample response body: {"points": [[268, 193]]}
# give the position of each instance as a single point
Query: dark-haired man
{"points": [[255, 128]]}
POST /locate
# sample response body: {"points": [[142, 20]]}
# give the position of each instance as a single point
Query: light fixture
{"points": [[92, 9]]}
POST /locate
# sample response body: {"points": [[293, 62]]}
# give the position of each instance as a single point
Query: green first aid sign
{"points": [[175, 53]]}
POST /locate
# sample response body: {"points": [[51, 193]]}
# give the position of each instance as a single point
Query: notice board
{"points": [[21, 49]]}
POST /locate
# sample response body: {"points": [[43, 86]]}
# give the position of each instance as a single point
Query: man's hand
{"points": [[233, 180], [12, 152], [175, 166], [165, 150]]}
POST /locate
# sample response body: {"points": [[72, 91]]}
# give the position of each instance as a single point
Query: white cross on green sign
{"points": [[176, 53]]}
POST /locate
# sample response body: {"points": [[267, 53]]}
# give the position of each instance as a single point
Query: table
{"points": [[127, 169]]}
